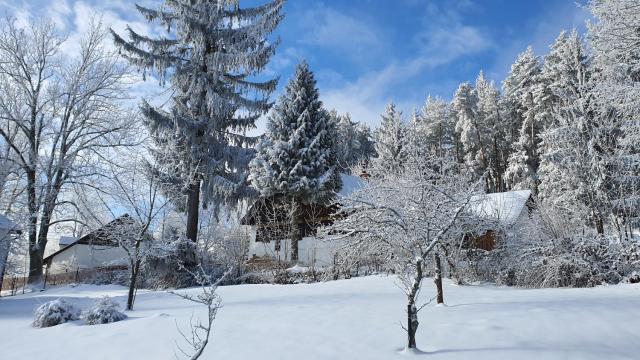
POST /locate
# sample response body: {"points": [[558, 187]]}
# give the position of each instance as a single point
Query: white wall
{"points": [[87, 257], [311, 251]]}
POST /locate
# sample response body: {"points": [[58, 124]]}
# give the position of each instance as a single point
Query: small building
{"points": [[95, 250], [506, 213], [269, 227]]}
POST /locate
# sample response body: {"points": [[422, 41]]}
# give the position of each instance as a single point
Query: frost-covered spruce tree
{"points": [[417, 144], [431, 131], [366, 149], [480, 126], [615, 40], [464, 108], [572, 176], [347, 140], [518, 92], [493, 125], [210, 53], [438, 126], [296, 159], [390, 142]]}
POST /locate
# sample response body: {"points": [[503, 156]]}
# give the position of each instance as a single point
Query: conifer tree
{"points": [[296, 159], [438, 126], [464, 109], [521, 110], [615, 40], [367, 150], [431, 130], [493, 130], [481, 128], [571, 176], [347, 140], [391, 142], [211, 52]]}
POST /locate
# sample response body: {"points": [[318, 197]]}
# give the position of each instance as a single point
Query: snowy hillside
{"points": [[347, 319]]}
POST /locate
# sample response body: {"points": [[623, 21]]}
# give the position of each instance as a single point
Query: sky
{"points": [[366, 53]]}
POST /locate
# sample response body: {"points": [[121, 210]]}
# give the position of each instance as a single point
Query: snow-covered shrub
{"points": [[55, 312], [633, 278], [104, 311], [117, 277], [162, 265], [224, 249]]}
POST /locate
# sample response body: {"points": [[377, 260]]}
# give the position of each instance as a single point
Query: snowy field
{"points": [[348, 319]]}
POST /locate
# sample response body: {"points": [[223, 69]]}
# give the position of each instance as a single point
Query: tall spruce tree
{"points": [[438, 126], [518, 91], [615, 40], [493, 127], [210, 53], [571, 175], [391, 142], [464, 108], [296, 159], [481, 129], [348, 144]]}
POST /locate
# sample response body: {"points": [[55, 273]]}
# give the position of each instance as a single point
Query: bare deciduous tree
{"points": [[405, 216], [54, 116]]}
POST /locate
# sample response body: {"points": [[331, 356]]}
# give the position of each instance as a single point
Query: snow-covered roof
{"points": [[505, 207], [6, 224], [65, 240], [350, 184]]}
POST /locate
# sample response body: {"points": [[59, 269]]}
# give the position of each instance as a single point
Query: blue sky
{"points": [[366, 53]]}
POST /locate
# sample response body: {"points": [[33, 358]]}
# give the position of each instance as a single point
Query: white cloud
{"points": [[445, 38], [540, 34], [334, 30]]}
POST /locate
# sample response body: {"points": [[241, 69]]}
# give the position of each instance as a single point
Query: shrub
{"points": [[104, 311], [54, 313]]}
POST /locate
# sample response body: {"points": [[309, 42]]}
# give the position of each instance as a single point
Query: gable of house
{"points": [[271, 216], [507, 208], [96, 249], [504, 212]]}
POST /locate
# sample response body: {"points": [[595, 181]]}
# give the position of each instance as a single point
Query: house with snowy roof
{"points": [[505, 212], [98, 249], [269, 226]]}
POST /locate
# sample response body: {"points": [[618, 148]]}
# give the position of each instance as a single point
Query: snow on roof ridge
{"points": [[506, 206]]}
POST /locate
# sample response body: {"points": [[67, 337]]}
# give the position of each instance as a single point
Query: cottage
{"points": [[506, 212], [96, 250], [269, 226]]}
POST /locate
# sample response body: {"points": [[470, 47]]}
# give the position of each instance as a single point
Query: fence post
{"points": [[46, 274]]}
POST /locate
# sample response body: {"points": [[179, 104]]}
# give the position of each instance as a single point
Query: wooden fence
{"points": [[12, 285]]}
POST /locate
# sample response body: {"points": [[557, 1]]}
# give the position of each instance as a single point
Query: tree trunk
{"points": [[35, 267], [35, 259], [193, 208], [438, 279], [133, 279], [412, 311], [295, 230]]}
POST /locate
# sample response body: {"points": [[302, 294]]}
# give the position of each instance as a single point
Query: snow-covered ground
{"points": [[348, 319]]}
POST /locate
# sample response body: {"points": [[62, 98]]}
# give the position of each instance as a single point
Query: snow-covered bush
{"points": [[104, 311], [55, 312], [162, 266], [553, 250]]}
